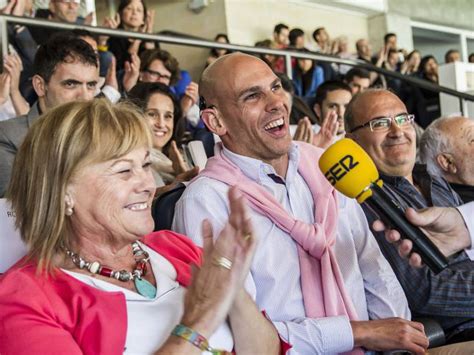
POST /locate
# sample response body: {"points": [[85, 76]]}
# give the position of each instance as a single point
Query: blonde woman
{"points": [[95, 281]]}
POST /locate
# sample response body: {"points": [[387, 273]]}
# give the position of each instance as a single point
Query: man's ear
{"points": [[39, 85], [214, 123], [446, 163]]}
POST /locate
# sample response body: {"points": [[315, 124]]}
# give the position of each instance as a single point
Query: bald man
{"points": [[447, 149], [317, 272], [378, 120]]}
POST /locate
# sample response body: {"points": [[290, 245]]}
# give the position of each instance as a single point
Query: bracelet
{"points": [[196, 339]]}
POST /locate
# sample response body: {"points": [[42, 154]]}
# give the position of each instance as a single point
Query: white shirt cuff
{"points": [[110, 93], [193, 115], [467, 212], [338, 337], [330, 335]]}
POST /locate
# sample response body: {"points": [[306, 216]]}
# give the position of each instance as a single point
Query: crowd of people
{"points": [[264, 256]]}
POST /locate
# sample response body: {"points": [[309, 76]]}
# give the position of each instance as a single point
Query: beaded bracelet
{"points": [[196, 339]]}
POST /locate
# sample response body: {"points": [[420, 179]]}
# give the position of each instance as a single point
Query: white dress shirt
{"points": [[467, 212], [274, 281]]}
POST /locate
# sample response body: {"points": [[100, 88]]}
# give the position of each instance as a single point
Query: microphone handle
{"points": [[391, 214]]}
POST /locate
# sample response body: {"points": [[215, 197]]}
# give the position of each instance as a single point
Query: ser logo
{"points": [[341, 168]]}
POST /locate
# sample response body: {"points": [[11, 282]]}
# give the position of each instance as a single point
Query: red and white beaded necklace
{"points": [[143, 287]]}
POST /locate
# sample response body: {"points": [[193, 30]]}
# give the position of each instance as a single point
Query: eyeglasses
{"points": [[158, 75], [203, 104], [381, 124]]}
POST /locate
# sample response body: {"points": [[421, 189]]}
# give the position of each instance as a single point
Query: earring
{"points": [[69, 210]]}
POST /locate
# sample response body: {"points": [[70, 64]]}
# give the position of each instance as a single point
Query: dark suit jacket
{"points": [[12, 134]]}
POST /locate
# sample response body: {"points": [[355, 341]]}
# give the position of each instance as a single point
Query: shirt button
{"points": [[267, 169]]}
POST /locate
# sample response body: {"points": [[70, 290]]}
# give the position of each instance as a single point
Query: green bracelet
{"points": [[196, 339]]}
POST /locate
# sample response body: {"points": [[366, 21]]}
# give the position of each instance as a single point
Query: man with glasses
{"points": [[159, 66], [378, 120]]}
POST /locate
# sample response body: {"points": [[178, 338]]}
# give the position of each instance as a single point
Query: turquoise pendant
{"points": [[145, 288]]}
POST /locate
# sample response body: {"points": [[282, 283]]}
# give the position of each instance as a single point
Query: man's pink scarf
{"points": [[323, 288]]}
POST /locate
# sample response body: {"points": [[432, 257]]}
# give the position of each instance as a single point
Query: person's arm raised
{"points": [[326, 135], [217, 287], [132, 72], [445, 226], [13, 66], [304, 131]]}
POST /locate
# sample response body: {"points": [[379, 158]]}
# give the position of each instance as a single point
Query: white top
{"points": [[111, 93], [193, 116], [12, 247], [7, 110], [151, 321], [274, 281]]}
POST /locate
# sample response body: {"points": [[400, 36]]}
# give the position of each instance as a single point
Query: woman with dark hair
{"points": [[412, 63], [164, 117], [425, 103], [307, 76], [428, 69], [132, 15], [216, 52]]}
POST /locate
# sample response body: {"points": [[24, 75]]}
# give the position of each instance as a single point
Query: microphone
{"points": [[353, 173]]}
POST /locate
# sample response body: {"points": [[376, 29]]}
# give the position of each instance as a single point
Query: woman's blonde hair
{"points": [[60, 142]]}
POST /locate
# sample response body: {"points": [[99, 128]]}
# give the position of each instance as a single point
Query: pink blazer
{"points": [[61, 315]]}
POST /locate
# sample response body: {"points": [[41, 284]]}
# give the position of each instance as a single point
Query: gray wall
{"points": [[455, 13], [435, 43]]}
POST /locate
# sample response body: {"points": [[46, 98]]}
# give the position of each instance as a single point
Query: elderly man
{"points": [[447, 149], [64, 10], [378, 120], [66, 70], [318, 272]]}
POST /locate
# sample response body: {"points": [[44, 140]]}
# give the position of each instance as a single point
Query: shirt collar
{"points": [[393, 180], [258, 170]]}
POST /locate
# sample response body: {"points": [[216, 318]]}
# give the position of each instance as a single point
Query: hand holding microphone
{"points": [[351, 171]]}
